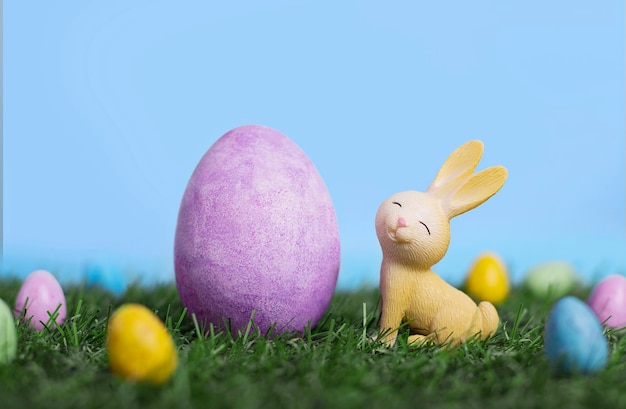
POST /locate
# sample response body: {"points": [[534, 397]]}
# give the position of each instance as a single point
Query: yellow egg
{"points": [[488, 279], [139, 346]]}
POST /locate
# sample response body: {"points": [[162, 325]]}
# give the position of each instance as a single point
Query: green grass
{"points": [[335, 365]]}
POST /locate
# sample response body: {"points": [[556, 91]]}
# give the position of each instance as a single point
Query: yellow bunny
{"points": [[414, 233]]}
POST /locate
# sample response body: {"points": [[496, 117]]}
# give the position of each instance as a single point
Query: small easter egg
{"points": [[139, 346], [573, 338], [608, 301], [8, 334], [110, 278], [256, 233], [551, 280], [40, 297], [488, 279]]}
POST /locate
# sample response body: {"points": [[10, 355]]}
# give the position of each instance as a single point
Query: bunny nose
{"points": [[402, 222]]}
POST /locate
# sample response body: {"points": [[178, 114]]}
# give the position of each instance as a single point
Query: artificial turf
{"points": [[334, 365]]}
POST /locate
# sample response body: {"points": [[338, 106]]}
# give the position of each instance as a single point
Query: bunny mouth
{"points": [[399, 235]]}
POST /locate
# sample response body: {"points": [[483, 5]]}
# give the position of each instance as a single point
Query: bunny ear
{"points": [[458, 167], [475, 191]]}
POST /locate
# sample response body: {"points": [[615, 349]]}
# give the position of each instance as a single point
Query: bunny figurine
{"points": [[414, 233]]}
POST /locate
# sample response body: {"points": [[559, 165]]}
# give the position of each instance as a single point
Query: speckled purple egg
{"points": [[256, 232]]}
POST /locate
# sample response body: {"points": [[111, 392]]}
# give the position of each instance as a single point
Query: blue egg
{"points": [[110, 278], [574, 342]]}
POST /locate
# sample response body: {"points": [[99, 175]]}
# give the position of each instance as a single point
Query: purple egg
{"points": [[608, 301], [39, 297], [256, 232]]}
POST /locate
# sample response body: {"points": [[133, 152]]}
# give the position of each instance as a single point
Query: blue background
{"points": [[108, 107]]}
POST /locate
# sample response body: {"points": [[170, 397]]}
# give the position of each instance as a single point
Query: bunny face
{"points": [[412, 228]]}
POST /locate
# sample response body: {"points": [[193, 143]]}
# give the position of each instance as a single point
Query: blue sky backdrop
{"points": [[108, 107]]}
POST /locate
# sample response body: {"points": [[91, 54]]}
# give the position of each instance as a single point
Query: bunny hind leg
{"points": [[417, 339]]}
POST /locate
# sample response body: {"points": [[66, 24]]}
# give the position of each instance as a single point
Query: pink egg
{"points": [[39, 297], [608, 301]]}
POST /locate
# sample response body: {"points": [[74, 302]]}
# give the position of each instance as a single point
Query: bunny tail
{"points": [[490, 319]]}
